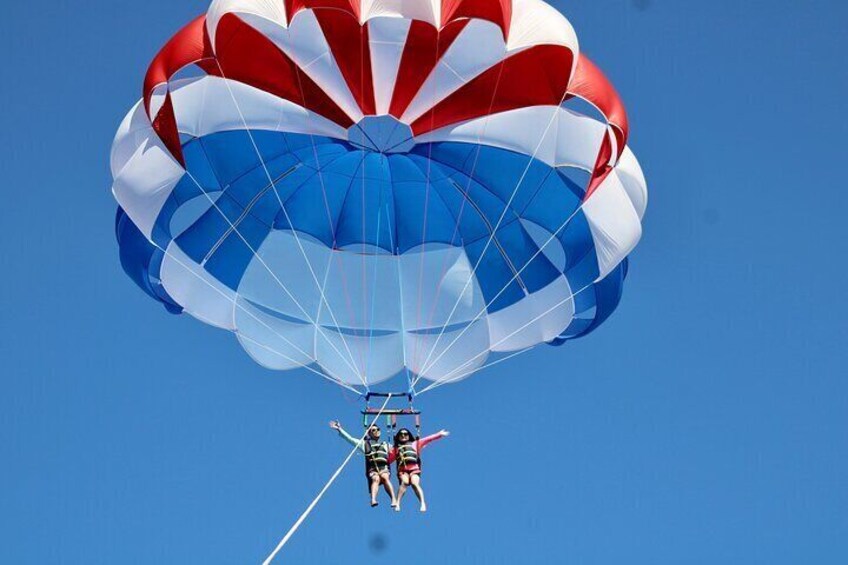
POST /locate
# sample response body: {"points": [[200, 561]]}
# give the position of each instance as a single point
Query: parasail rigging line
{"points": [[288, 219], [506, 209], [451, 379], [362, 359], [242, 308], [301, 365], [362, 258], [320, 288], [432, 104], [462, 204], [486, 351], [280, 283], [399, 263], [321, 493], [506, 286], [376, 276]]}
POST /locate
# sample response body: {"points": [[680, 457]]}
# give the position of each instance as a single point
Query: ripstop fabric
{"points": [[373, 187]]}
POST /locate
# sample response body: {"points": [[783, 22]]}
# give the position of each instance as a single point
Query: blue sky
{"points": [[706, 422]]}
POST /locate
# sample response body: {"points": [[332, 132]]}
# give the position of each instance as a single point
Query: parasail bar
{"points": [[392, 411], [369, 395]]}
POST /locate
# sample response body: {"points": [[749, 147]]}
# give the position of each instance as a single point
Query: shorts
{"points": [[371, 473], [411, 470]]}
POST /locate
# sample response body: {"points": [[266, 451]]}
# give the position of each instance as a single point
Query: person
{"points": [[377, 463], [405, 453]]}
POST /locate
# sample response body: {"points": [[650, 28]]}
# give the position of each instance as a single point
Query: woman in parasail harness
{"points": [[377, 461], [406, 454]]}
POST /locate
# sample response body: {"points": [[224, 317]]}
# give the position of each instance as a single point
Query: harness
{"points": [[407, 455], [376, 456]]}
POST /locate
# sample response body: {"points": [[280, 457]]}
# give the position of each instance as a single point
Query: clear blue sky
{"points": [[705, 423]]}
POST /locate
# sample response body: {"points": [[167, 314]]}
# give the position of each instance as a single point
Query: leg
{"points": [[375, 487], [404, 483], [419, 492], [387, 484]]}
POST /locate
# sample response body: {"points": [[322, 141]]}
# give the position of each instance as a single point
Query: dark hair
{"points": [[400, 431]]}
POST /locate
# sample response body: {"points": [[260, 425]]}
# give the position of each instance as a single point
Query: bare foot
{"points": [[423, 507]]}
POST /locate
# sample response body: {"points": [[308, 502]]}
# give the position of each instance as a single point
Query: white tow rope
{"points": [[327, 486]]}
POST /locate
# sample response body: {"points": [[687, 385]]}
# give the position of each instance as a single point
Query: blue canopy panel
{"points": [[352, 197], [141, 260], [596, 304]]}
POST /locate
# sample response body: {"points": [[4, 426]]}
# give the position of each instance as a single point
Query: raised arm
{"points": [[424, 441], [360, 445]]}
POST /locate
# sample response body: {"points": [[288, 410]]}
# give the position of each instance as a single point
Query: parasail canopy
{"points": [[376, 187]]}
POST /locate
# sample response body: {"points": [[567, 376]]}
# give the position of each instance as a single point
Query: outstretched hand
{"points": [[444, 433], [335, 425]]}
